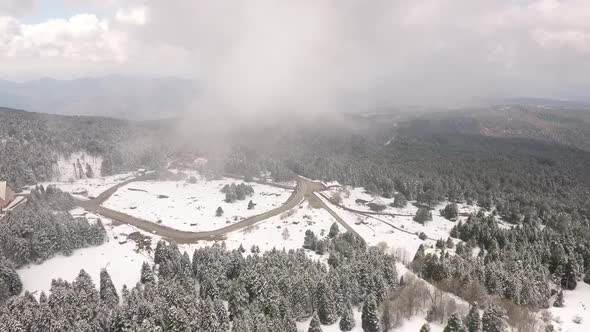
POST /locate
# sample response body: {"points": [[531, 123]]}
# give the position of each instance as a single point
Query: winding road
{"points": [[304, 190]]}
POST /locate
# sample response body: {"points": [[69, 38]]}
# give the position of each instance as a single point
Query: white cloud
{"points": [[136, 15], [84, 37], [318, 54]]}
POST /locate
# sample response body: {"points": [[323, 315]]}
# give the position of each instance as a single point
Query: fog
{"points": [[312, 56]]}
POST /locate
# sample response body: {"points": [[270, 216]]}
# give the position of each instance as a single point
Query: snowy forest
{"points": [[539, 188]]}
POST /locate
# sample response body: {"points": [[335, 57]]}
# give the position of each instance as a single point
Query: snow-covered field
{"points": [[403, 237], [192, 206], [93, 186], [283, 231], [196, 204], [576, 305]]}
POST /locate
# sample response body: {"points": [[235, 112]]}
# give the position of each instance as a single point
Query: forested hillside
{"points": [[31, 144]]}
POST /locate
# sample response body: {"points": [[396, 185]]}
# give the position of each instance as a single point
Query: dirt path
{"points": [[304, 190]]}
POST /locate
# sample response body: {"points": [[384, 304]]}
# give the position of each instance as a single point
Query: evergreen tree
{"points": [[492, 319], [147, 274], [370, 315], [221, 314], [310, 240], [326, 304], [347, 322], [334, 230], [423, 215], [569, 278], [455, 324], [219, 211], [559, 300], [425, 327], [251, 205], [473, 319], [314, 325], [108, 292]]}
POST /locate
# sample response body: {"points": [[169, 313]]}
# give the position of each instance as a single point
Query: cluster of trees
{"points": [[267, 292], [39, 230], [235, 192], [520, 263]]}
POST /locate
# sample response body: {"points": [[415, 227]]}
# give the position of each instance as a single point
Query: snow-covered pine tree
{"points": [[492, 319], [209, 320], [425, 328], [177, 321], [455, 324], [473, 319], [559, 303], [108, 292], [370, 315], [221, 314], [334, 230], [326, 307], [314, 325], [147, 274], [347, 322]]}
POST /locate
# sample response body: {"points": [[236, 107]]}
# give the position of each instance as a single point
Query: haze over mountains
{"points": [[110, 96]]}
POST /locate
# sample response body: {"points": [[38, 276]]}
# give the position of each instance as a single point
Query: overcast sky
{"points": [[270, 53]]}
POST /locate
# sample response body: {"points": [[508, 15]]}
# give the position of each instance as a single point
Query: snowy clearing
{"points": [[575, 306], [191, 206], [67, 169], [88, 188]]}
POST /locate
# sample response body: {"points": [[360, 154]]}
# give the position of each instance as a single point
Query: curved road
{"points": [[304, 189]]}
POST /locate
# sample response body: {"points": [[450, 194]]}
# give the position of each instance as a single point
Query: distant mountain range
{"points": [[110, 96]]}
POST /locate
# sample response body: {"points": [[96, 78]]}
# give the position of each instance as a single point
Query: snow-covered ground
{"points": [[192, 206], [196, 203], [376, 229], [576, 305], [121, 260], [94, 186], [65, 169], [283, 231]]}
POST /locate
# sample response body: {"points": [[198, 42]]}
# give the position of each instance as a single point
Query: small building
{"points": [[6, 195]]}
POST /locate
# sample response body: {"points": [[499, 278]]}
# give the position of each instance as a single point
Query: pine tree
{"points": [[251, 205], [310, 240], [147, 274], [177, 320], [473, 319], [347, 322], [425, 328], [587, 275], [559, 300], [221, 314], [209, 320], [219, 211], [108, 292], [569, 279], [370, 316], [314, 325], [334, 230], [455, 324], [326, 304], [492, 319]]}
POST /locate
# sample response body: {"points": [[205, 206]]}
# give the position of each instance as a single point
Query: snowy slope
{"points": [[64, 169], [576, 304]]}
